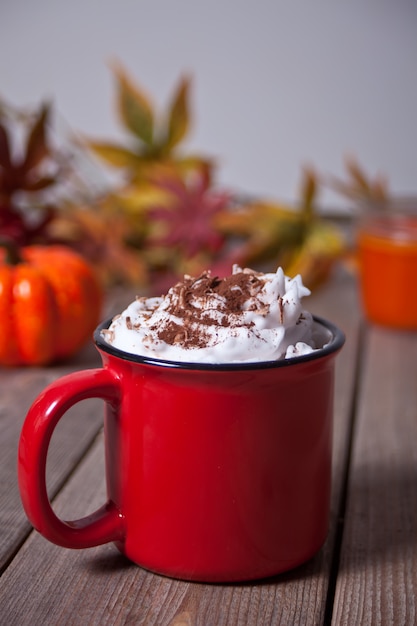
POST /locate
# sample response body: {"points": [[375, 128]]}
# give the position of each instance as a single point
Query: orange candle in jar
{"points": [[387, 249]]}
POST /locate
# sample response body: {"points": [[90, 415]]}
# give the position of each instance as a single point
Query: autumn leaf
{"points": [[358, 176], [154, 140], [135, 199], [15, 227], [179, 116], [114, 155], [102, 236], [264, 228], [360, 187], [134, 108], [24, 172], [25, 211], [37, 148], [308, 193], [4, 149], [316, 256], [188, 221]]}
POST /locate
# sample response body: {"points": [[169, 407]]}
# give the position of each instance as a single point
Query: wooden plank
{"points": [[377, 583], [338, 301], [47, 584], [75, 433], [72, 438]]}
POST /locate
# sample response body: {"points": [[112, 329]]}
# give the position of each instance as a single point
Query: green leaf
{"points": [[36, 146], [134, 108], [179, 115]]}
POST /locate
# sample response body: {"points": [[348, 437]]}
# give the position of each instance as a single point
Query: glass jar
{"points": [[387, 253]]}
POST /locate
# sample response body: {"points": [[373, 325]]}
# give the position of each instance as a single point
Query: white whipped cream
{"points": [[245, 317]]}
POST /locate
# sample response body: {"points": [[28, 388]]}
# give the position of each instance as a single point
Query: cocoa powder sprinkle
{"points": [[189, 302]]}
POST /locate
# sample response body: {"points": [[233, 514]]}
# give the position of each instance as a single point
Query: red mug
{"points": [[215, 473]]}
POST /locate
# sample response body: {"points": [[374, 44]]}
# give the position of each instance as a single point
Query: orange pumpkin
{"points": [[50, 302]]}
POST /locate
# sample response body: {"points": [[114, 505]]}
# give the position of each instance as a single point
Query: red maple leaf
{"points": [[188, 221]]}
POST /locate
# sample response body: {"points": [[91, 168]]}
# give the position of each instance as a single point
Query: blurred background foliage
{"points": [[164, 215]]}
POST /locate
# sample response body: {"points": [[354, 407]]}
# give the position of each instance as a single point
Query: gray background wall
{"points": [[276, 83]]}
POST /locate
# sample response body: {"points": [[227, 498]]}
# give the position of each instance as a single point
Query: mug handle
{"points": [[106, 523]]}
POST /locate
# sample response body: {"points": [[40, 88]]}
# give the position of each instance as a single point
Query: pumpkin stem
{"points": [[13, 256]]}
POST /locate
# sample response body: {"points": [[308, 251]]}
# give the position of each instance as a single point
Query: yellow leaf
{"points": [[113, 154], [134, 108], [136, 198], [194, 163], [315, 257], [267, 228], [259, 219]]}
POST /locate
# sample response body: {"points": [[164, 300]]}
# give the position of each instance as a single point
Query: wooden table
{"points": [[366, 573]]}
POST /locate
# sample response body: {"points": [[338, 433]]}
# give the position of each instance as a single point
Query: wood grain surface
{"points": [[364, 574], [377, 581]]}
